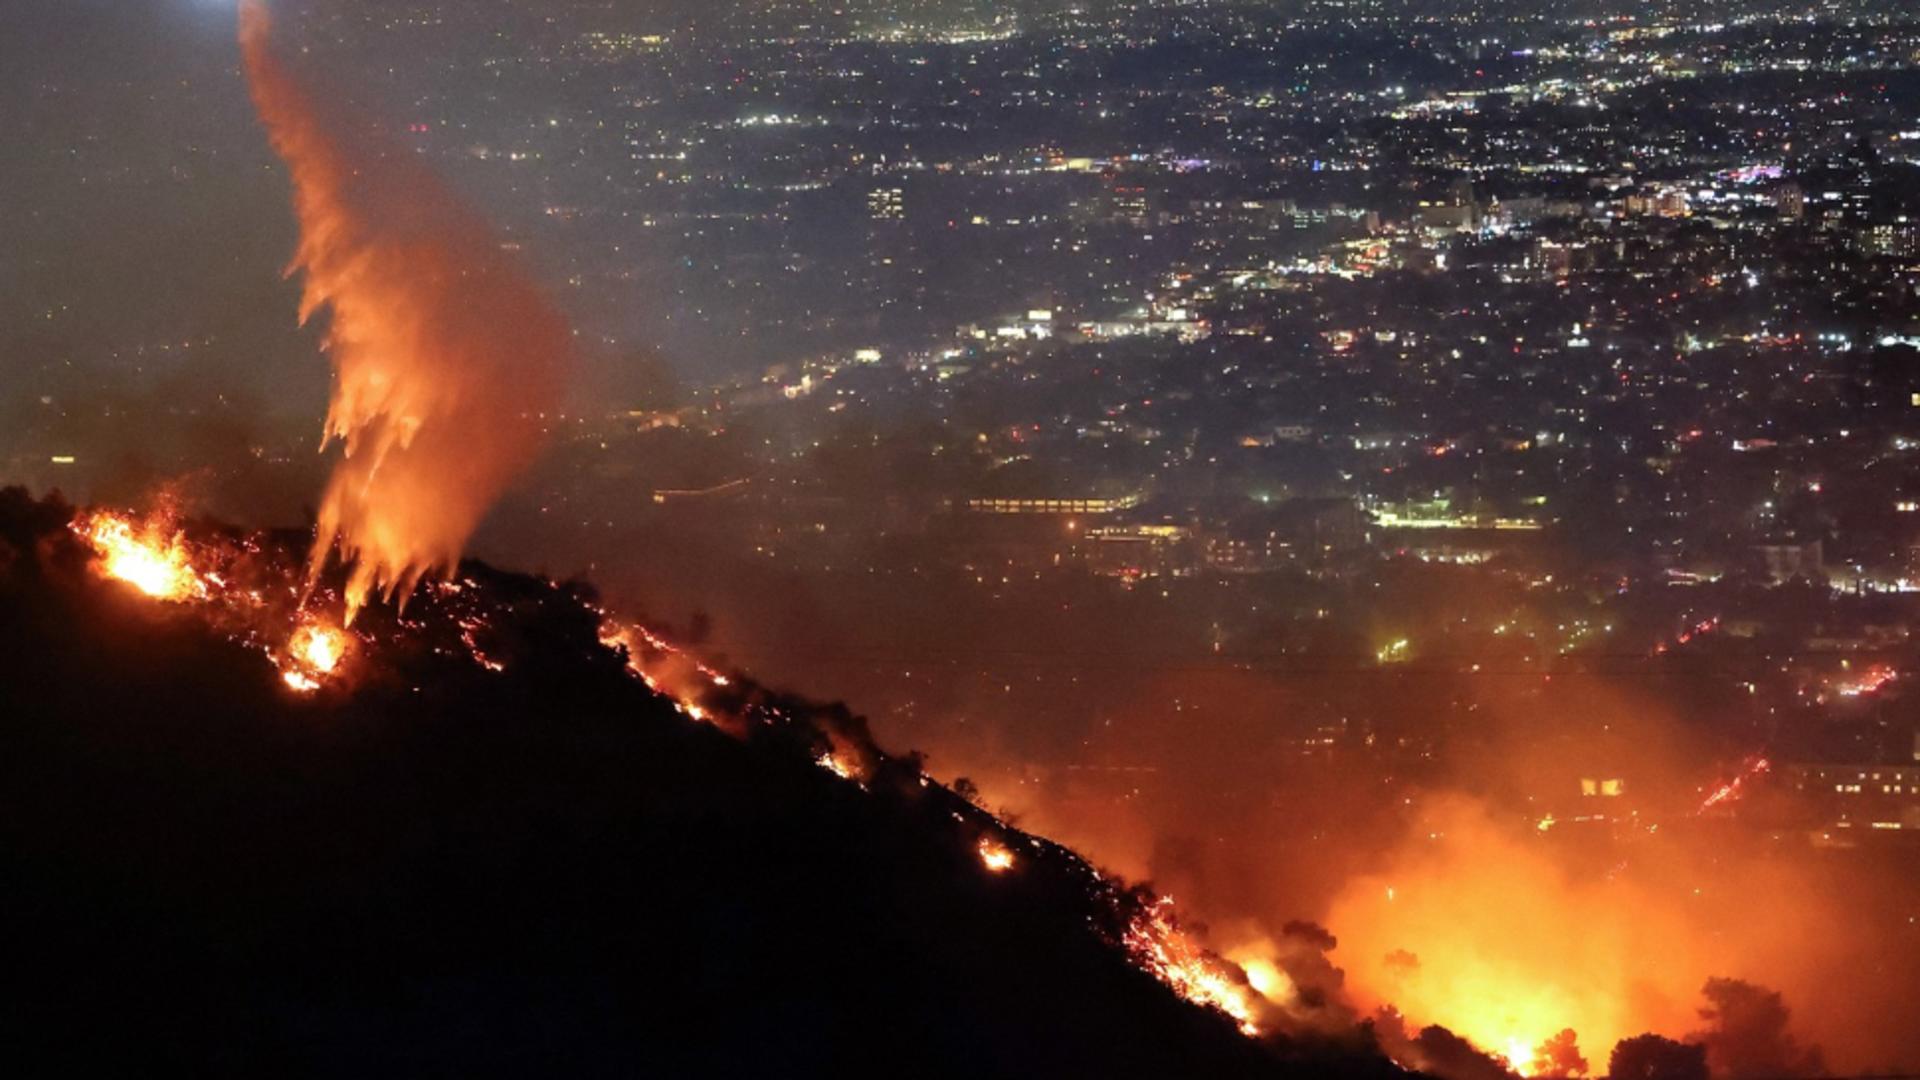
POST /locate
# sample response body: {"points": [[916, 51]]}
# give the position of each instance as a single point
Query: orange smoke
{"points": [[1472, 928], [445, 358]]}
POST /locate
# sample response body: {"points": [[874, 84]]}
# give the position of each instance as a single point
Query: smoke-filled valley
{"points": [[1431, 821], [1292, 613]]}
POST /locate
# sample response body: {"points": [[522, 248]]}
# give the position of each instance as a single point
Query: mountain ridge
{"points": [[546, 867]]}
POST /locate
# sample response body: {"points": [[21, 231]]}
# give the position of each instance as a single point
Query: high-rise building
{"points": [[886, 204], [1790, 202]]}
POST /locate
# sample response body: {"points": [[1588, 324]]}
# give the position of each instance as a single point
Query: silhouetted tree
{"points": [[1747, 1036], [1448, 1055], [1653, 1057], [1559, 1057]]}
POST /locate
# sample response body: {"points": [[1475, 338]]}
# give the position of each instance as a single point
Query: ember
{"points": [[1731, 790]]}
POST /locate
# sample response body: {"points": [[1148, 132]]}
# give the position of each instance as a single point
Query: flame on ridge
{"points": [[315, 652], [1152, 938], [151, 557], [1732, 789], [995, 856], [1159, 945], [154, 558], [158, 562], [446, 360]]}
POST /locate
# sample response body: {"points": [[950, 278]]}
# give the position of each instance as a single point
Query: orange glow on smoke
{"points": [[147, 557], [1476, 927], [1264, 975], [446, 361]]}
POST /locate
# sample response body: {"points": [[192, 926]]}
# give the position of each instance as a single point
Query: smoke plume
{"points": [[445, 358]]}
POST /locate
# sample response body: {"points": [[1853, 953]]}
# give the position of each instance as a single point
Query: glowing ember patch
{"points": [[147, 558], [1165, 951], [995, 856], [837, 767], [315, 651], [1732, 789], [319, 647]]}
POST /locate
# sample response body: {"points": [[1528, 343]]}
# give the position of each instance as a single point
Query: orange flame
{"points": [[995, 856], [315, 652], [1166, 952], [1519, 1056], [1731, 790], [840, 765], [446, 361], [1485, 933], [148, 558], [1264, 975]]}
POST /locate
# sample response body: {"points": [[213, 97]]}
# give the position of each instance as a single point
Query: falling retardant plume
{"points": [[446, 358]]}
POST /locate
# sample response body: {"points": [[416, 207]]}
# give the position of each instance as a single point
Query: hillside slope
{"points": [[547, 868]]}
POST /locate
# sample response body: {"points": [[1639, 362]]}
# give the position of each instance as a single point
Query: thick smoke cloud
{"points": [[446, 359]]}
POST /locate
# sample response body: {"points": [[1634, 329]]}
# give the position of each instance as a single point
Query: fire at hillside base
{"points": [[1506, 981], [159, 562]]}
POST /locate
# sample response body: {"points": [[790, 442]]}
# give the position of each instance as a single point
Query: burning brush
{"points": [[434, 337], [236, 585], [250, 590]]}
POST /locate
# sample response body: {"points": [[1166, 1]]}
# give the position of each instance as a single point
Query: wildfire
{"points": [[155, 558], [664, 667], [148, 558], [1697, 630], [1519, 1056], [838, 765], [158, 561], [315, 652], [447, 359], [1152, 939], [1488, 933], [995, 856], [1265, 976], [1731, 790], [1867, 682], [1158, 945]]}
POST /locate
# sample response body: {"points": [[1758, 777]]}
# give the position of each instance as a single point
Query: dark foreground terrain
{"points": [[449, 870]]}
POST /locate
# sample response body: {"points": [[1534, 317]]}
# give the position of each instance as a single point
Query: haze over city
{"points": [[1380, 537]]}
